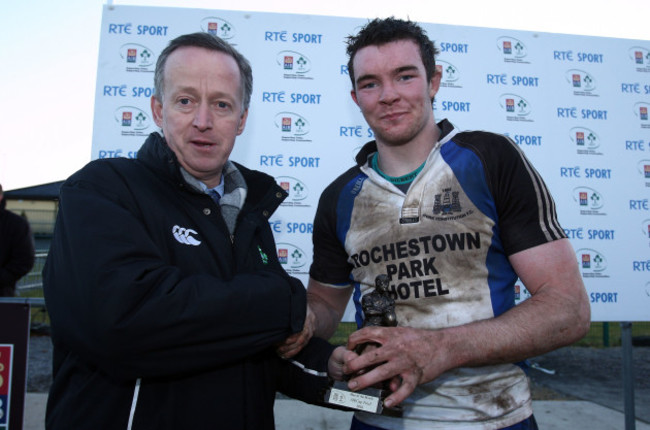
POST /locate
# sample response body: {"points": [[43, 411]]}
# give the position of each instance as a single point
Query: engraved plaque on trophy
{"points": [[378, 310]]}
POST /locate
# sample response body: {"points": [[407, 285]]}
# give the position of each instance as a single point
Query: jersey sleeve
{"points": [[525, 208], [330, 263]]}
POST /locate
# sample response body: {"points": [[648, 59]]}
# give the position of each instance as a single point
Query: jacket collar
{"points": [[263, 192]]}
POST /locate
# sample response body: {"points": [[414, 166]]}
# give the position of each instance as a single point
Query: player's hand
{"points": [[296, 342], [405, 356]]}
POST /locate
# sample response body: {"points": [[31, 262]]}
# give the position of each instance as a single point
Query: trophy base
{"points": [[367, 400]]}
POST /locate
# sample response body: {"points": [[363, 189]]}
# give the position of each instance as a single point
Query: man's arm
{"points": [[306, 376], [326, 306], [556, 315], [121, 301]]}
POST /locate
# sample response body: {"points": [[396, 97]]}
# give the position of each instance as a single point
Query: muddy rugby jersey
{"points": [[445, 245]]}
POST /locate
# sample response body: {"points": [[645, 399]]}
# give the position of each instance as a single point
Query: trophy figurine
{"points": [[378, 310]]}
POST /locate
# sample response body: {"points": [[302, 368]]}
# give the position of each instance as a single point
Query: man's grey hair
{"points": [[210, 42]]}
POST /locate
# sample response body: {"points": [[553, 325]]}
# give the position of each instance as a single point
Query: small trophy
{"points": [[378, 310]]}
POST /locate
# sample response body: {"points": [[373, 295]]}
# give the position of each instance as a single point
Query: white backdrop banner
{"points": [[577, 105]]}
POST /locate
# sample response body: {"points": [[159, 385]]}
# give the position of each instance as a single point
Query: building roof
{"points": [[37, 192]]}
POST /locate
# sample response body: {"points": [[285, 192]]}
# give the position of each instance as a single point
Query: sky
{"points": [[49, 51]]}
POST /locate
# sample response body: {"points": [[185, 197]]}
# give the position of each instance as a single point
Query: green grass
{"points": [[342, 332], [39, 316], [603, 334]]}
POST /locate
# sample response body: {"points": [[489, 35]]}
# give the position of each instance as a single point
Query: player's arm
{"points": [[325, 307], [328, 304], [557, 314]]}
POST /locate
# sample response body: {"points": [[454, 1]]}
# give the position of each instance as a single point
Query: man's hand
{"points": [[406, 357], [337, 361], [557, 314], [294, 343]]}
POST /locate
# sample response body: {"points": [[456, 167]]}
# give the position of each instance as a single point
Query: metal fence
{"points": [[33, 281]]}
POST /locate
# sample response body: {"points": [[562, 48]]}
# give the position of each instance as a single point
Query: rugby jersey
{"points": [[445, 245]]}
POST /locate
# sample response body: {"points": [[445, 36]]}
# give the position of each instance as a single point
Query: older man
{"points": [[163, 284]]}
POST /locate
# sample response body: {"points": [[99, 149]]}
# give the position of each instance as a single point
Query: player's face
{"points": [[393, 92], [201, 111]]}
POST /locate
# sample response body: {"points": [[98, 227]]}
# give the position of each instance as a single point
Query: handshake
{"points": [[347, 364]]}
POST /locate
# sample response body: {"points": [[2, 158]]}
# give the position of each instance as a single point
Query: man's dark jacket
{"points": [[16, 250], [159, 319]]}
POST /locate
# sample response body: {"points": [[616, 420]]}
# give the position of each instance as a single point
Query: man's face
{"points": [[393, 92], [201, 110]]}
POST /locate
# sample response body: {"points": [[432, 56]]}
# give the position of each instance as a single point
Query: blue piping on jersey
{"points": [[356, 299], [469, 171], [344, 208], [345, 205]]}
